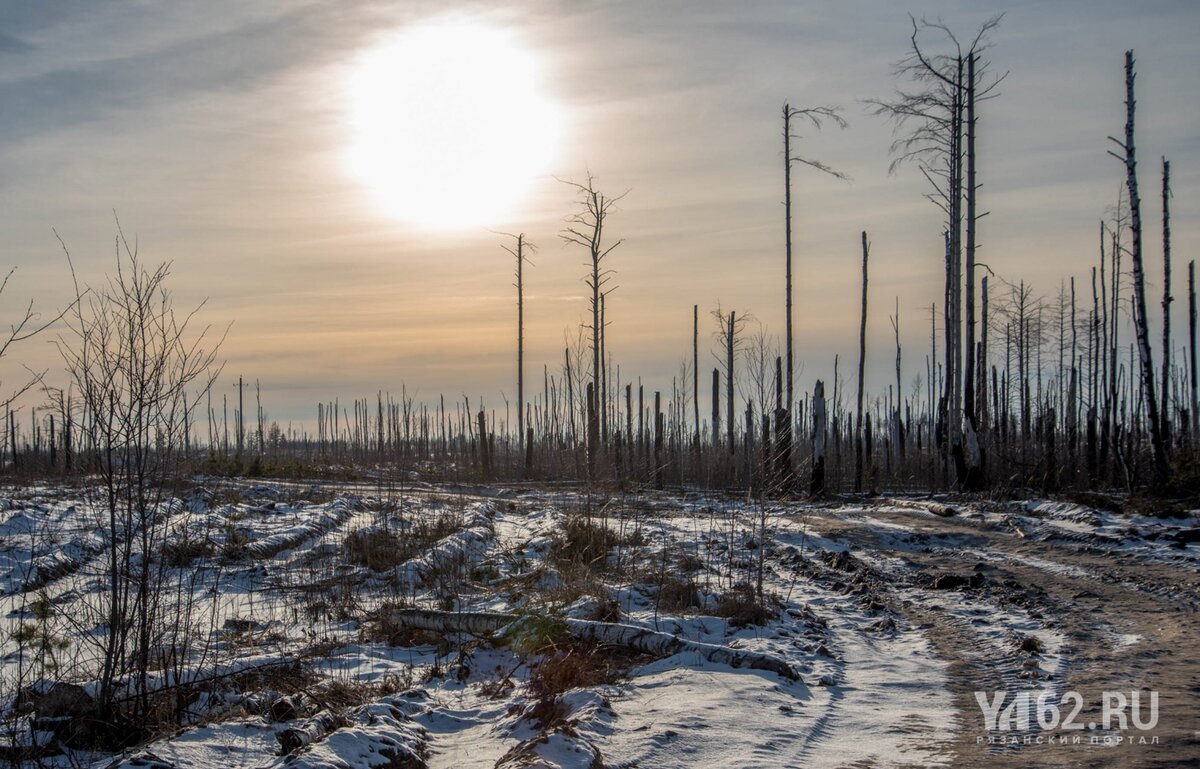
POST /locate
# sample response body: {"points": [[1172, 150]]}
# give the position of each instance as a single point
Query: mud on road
{"points": [[1117, 597]]}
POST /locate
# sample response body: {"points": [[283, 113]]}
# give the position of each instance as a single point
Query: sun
{"points": [[449, 124]]}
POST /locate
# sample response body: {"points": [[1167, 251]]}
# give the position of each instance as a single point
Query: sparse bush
{"points": [[678, 595], [741, 607], [376, 549], [182, 552], [583, 541], [380, 549], [572, 668], [236, 541]]}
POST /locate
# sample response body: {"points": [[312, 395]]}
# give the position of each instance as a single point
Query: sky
{"points": [[218, 133]]}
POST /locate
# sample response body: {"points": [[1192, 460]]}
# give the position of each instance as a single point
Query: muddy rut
{"points": [[1127, 623]]}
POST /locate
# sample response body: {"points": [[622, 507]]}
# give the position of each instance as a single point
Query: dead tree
{"points": [[696, 371], [1166, 300], [585, 228], [1192, 348], [132, 360], [1141, 328], [815, 116], [730, 338], [897, 423], [942, 115], [518, 250], [817, 485], [862, 361]]}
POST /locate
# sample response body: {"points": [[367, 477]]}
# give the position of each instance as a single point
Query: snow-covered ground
{"points": [[890, 613]]}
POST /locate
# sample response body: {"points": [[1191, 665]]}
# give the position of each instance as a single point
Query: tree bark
{"points": [[1158, 446], [1166, 300], [1192, 355], [862, 359], [817, 486], [644, 640]]}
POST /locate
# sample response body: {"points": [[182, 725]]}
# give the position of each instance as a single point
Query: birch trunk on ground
{"points": [[644, 640], [1139, 281]]}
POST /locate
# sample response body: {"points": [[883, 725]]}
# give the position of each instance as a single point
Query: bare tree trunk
{"points": [[1139, 282], [696, 371], [817, 486], [897, 422], [981, 394], [862, 359], [1192, 348], [716, 410], [658, 440], [969, 371], [787, 214], [520, 256], [602, 387], [1166, 300], [729, 350]]}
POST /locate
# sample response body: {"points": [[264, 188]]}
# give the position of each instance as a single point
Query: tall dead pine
{"points": [[815, 116], [1141, 328], [585, 228], [1192, 348], [817, 485], [518, 250], [1166, 300], [862, 361]]}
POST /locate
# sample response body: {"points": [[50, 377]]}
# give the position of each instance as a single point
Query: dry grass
{"points": [[586, 542], [381, 549], [577, 667], [376, 549], [678, 595], [741, 607]]}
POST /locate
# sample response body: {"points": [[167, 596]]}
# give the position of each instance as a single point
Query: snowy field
{"points": [[357, 626]]}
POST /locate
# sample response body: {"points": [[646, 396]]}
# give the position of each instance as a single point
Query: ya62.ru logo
{"points": [[1118, 711]]}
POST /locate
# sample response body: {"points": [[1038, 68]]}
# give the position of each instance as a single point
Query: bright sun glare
{"points": [[449, 124]]}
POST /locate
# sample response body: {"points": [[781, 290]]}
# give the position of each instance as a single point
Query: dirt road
{"points": [[1125, 607]]}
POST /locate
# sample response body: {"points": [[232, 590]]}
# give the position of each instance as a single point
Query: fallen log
{"points": [[929, 506], [313, 729], [639, 639]]}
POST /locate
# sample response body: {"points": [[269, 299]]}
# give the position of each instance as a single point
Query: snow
{"points": [[851, 615]]}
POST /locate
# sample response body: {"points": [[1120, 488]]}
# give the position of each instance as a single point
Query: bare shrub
{"points": [[584, 541], [678, 595], [741, 607], [380, 549], [376, 549]]}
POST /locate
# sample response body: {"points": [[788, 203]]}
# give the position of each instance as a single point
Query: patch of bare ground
{"points": [[1128, 623]]}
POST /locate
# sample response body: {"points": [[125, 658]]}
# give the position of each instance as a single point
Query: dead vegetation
{"points": [[587, 542], [741, 606], [381, 548], [579, 665]]}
